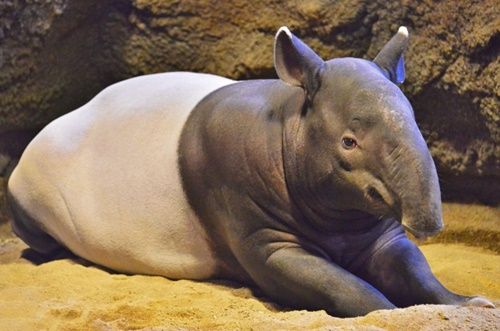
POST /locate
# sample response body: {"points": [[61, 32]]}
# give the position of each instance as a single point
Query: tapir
{"points": [[301, 186]]}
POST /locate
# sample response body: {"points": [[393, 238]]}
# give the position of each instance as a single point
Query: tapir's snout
{"points": [[421, 200], [413, 178]]}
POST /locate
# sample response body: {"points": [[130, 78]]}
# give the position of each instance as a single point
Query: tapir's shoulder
{"points": [[261, 99], [242, 124]]}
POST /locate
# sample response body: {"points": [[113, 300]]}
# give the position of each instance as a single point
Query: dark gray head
{"points": [[360, 147]]}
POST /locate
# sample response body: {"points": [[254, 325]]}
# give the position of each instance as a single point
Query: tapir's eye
{"points": [[349, 143]]}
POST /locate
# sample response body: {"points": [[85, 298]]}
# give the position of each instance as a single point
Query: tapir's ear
{"points": [[295, 63], [390, 58]]}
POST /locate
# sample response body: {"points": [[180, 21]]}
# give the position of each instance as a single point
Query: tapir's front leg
{"points": [[400, 271], [296, 277]]}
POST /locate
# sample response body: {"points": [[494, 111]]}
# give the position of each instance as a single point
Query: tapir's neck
{"points": [[311, 208], [327, 219]]}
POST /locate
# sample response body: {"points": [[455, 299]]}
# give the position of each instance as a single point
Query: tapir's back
{"points": [[104, 181]]}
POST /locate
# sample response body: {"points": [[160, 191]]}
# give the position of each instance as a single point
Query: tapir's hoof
{"points": [[479, 302]]}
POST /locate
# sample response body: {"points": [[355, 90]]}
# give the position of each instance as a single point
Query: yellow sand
{"points": [[66, 295]]}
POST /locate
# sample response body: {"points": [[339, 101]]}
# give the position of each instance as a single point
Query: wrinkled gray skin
{"points": [[314, 223]]}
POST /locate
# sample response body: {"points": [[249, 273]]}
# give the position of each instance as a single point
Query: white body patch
{"points": [[104, 180]]}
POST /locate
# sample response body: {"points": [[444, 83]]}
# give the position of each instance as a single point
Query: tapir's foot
{"points": [[479, 302]]}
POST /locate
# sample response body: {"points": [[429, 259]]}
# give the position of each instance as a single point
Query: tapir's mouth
{"points": [[421, 235], [382, 203]]}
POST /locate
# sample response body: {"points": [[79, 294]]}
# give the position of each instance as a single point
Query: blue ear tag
{"points": [[400, 71]]}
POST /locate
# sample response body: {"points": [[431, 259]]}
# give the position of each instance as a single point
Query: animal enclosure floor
{"points": [[65, 295]]}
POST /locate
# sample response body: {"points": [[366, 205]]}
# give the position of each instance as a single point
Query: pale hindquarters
{"points": [[103, 180]]}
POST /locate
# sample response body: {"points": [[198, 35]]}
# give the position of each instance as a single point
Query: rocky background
{"points": [[56, 54]]}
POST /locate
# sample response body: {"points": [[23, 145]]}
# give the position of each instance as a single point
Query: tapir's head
{"points": [[360, 147]]}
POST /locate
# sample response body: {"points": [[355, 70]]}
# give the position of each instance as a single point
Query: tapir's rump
{"points": [[104, 181]]}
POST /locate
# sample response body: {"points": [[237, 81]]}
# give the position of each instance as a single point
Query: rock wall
{"points": [[55, 55]]}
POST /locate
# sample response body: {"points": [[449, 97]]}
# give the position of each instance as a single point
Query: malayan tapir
{"points": [[301, 185]]}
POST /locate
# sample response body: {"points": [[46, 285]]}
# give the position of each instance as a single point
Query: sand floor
{"points": [[68, 295]]}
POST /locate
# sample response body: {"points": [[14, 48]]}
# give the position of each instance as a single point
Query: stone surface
{"points": [[55, 55]]}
